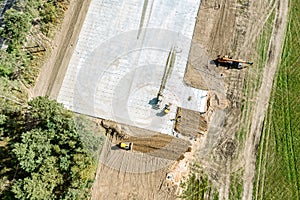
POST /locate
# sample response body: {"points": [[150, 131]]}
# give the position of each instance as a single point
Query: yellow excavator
{"points": [[167, 108], [229, 62], [125, 145]]}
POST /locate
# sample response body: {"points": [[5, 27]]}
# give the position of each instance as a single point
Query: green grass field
{"points": [[236, 185], [278, 160]]}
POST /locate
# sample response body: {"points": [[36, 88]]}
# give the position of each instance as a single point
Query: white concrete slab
{"points": [[120, 58]]}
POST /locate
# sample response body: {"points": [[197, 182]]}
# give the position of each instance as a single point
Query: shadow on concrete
{"points": [[161, 113]]}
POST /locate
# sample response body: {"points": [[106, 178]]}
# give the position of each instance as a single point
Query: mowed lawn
{"points": [[278, 159]]}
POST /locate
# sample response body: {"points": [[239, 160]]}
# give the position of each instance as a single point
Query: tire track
{"points": [[218, 27], [261, 105], [262, 165], [289, 134], [250, 92], [53, 71], [255, 28]]}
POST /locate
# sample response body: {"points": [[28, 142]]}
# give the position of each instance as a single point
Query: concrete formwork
{"points": [[120, 58]]}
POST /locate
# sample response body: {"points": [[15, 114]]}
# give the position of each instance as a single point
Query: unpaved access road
{"points": [[261, 106], [52, 73]]}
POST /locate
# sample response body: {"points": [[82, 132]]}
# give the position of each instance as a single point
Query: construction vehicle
{"points": [[167, 108], [125, 145], [229, 62]]}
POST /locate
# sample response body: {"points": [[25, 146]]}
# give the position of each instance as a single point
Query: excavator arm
{"points": [[233, 62]]}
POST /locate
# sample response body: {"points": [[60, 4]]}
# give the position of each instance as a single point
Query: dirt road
{"points": [[261, 106], [52, 73]]}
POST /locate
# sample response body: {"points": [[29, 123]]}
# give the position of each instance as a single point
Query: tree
{"points": [[13, 63], [34, 149], [16, 27], [54, 162], [48, 13], [2, 122], [34, 188]]}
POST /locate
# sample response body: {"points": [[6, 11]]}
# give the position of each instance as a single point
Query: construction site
{"points": [[165, 82]]}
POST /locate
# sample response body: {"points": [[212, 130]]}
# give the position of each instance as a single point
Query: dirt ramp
{"points": [[148, 154], [150, 143], [160, 145], [129, 161]]}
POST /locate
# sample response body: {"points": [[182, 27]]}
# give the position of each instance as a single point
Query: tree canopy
{"points": [[22, 27], [41, 153], [52, 161], [16, 27]]}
